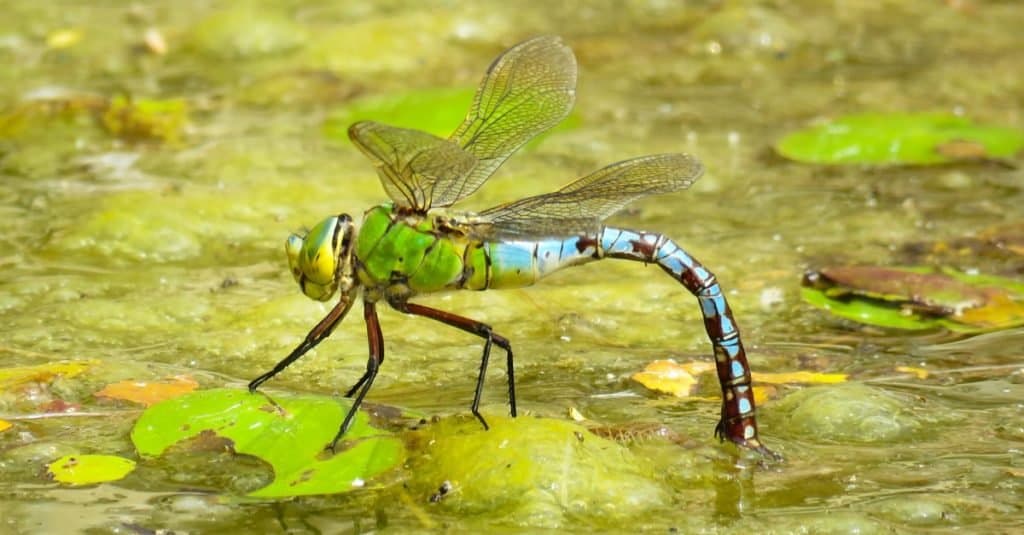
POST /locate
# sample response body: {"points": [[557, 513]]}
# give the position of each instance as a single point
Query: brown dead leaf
{"points": [[149, 392]]}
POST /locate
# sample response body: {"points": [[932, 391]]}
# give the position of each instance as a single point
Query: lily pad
{"points": [[90, 469], [437, 111], [900, 139], [916, 298], [289, 432]]}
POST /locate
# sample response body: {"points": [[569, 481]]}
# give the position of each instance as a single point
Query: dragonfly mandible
{"points": [[402, 249]]}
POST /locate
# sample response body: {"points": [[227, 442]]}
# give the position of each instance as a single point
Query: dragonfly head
{"points": [[321, 261]]}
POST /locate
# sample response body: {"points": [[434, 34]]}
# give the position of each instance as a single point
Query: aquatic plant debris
{"points": [[916, 298]]}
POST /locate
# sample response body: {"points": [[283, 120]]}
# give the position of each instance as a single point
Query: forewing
{"points": [[581, 206], [411, 163], [527, 90]]}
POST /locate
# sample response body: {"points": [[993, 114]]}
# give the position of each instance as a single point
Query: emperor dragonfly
{"points": [[401, 249]]}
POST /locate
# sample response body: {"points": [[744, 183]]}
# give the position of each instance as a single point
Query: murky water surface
{"points": [[164, 257]]}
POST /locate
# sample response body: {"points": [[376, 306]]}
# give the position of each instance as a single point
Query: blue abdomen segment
{"points": [[514, 264], [737, 423]]}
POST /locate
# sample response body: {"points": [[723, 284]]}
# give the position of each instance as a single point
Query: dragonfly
{"points": [[411, 246]]}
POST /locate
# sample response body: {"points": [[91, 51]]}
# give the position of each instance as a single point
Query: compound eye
{"points": [[318, 260], [293, 247]]}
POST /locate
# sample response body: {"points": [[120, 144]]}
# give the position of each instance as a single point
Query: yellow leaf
{"points": [[149, 392], [920, 373], [89, 469], [763, 393], [670, 377], [5, 425], [65, 38], [799, 377], [13, 377], [576, 415]]}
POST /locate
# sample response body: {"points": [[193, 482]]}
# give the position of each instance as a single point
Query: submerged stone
{"points": [[849, 412]]}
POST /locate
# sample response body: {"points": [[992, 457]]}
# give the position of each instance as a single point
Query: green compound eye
{"points": [[292, 247], [318, 258]]}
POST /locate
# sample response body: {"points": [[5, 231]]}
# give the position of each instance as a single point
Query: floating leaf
{"points": [[800, 377], [90, 469], [920, 373], [917, 298], [900, 139], [670, 377], [149, 392], [64, 38], [289, 432], [14, 377], [5, 425]]}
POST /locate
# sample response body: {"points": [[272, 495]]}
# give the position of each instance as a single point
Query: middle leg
{"points": [[477, 328]]}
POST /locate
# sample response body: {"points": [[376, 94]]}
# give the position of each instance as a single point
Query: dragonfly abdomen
{"points": [[737, 422], [515, 264]]}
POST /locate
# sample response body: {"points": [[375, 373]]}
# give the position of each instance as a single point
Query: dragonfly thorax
{"points": [[321, 260]]}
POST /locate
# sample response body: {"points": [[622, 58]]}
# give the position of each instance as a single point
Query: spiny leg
{"points": [[479, 329], [737, 423], [375, 340], [317, 334]]}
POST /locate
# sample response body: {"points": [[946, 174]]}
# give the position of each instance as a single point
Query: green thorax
{"points": [[406, 254]]}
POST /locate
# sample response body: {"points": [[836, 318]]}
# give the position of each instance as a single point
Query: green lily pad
{"points": [[437, 111], [900, 139], [917, 298], [89, 469], [289, 432]]}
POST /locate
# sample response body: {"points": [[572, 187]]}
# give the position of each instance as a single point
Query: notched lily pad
{"points": [[900, 139], [89, 469], [289, 432], [917, 298]]}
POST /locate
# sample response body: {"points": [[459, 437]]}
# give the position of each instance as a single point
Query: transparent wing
{"points": [[580, 207], [527, 90], [411, 163]]}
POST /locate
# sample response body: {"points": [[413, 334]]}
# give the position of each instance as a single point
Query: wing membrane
{"points": [[527, 90], [410, 163], [581, 206]]}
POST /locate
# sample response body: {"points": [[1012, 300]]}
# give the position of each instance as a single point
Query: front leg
{"points": [[375, 341], [476, 328], [317, 334]]}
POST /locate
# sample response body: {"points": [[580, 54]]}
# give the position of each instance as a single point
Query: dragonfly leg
{"points": [[479, 329], [737, 423], [318, 334], [375, 341]]}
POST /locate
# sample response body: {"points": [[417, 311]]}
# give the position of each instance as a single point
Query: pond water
{"points": [[151, 249]]}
